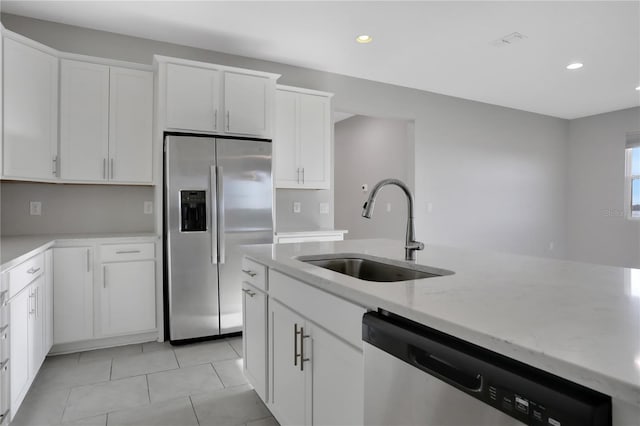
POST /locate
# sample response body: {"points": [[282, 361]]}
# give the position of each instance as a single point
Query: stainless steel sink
{"points": [[370, 268]]}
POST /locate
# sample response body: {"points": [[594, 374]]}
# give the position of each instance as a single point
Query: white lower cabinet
{"points": [[19, 321], [72, 294], [128, 299], [254, 343], [314, 359]]}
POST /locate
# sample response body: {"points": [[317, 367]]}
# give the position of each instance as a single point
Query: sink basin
{"points": [[370, 268]]}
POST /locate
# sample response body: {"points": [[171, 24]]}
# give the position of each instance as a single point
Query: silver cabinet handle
{"points": [[295, 344], [88, 260], [37, 302], [55, 165], [249, 272], [104, 168], [221, 218], [111, 177], [127, 251], [104, 276], [33, 270], [215, 119], [298, 175], [302, 358], [251, 293], [228, 120]]}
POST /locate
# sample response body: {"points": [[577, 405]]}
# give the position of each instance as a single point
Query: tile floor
{"points": [[145, 385]]}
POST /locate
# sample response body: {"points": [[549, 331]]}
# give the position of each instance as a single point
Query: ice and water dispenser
{"points": [[193, 211]]}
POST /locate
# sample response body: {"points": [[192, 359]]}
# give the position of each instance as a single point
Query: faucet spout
{"points": [[367, 211]]}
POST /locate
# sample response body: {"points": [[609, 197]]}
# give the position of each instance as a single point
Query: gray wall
{"points": [[495, 176], [71, 209], [597, 229], [368, 150]]}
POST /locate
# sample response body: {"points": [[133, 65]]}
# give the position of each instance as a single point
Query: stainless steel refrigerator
{"points": [[218, 196]]}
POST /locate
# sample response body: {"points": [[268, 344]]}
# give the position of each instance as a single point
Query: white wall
{"points": [[598, 232], [495, 176], [368, 150]]}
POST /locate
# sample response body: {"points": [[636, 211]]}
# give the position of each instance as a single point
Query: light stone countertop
{"points": [[16, 249], [578, 321], [322, 231]]}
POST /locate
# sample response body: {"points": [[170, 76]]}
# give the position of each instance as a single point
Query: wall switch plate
{"points": [[296, 207], [324, 208], [35, 208], [148, 207], [429, 207], [388, 207]]}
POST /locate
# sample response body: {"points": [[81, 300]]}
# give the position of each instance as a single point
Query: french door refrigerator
{"points": [[218, 196]]}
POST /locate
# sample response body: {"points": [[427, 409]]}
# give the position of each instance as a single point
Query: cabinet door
{"points": [[287, 172], [336, 365], [84, 121], [72, 294], [314, 140], [30, 96], [192, 98], [288, 383], [130, 125], [254, 338], [48, 300], [21, 307], [36, 327], [128, 297], [246, 102]]}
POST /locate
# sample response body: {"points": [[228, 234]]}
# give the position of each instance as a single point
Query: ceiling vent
{"points": [[508, 40]]}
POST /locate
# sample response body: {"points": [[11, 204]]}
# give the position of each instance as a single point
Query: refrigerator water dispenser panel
{"points": [[193, 211]]}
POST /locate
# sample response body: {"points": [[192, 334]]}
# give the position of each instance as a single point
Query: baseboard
{"points": [[101, 343]]}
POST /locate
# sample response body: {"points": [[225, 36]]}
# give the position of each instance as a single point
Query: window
{"points": [[632, 176]]}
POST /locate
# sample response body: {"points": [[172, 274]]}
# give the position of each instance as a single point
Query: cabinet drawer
{"points": [[26, 272], [254, 273], [124, 252], [342, 318]]}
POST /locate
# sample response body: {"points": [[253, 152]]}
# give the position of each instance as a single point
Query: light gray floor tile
{"points": [[156, 346], [236, 344], [64, 375], [230, 406], [42, 407], [230, 372], [143, 363], [66, 359], [203, 353], [269, 421], [183, 382], [101, 398], [166, 413], [110, 353], [90, 421]]}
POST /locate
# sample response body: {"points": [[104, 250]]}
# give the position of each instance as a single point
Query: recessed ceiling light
{"points": [[575, 66], [364, 38]]}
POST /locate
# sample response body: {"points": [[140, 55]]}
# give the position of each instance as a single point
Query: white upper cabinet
{"points": [[193, 98], [131, 125], [84, 120], [106, 124], [246, 100], [30, 91], [203, 97], [302, 152]]}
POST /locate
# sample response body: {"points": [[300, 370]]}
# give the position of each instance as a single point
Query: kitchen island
{"points": [[578, 321]]}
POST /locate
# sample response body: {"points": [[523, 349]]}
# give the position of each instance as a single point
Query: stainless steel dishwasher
{"points": [[415, 375]]}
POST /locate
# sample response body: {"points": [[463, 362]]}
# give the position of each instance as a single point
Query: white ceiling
{"points": [[442, 47]]}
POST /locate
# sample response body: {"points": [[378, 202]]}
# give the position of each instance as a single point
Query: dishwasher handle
{"points": [[445, 370]]}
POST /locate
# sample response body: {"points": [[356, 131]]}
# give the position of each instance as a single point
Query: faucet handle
{"points": [[415, 245]]}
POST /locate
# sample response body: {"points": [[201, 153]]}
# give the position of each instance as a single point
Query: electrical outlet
{"points": [[35, 208], [324, 208], [296, 207], [148, 207], [388, 207], [552, 246]]}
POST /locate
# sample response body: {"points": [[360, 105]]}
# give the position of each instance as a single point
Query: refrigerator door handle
{"points": [[220, 194], [214, 228]]}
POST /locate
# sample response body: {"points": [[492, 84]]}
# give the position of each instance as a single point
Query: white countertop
{"points": [[16, 249], [299, 232], [576, 320]]}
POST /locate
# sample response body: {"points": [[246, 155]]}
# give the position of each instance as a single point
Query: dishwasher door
{"points": [[397, 393], [416, 375]]}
